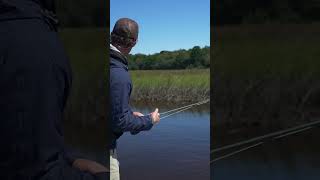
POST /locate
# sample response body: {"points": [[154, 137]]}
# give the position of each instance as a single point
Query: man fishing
{"points": [[124, 37], [35, 80]]}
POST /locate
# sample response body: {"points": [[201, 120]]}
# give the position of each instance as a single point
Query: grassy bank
{"points": [[171, 85], [266, 75]]}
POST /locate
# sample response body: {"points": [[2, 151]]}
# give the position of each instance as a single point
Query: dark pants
{"points": [[35, 80]]}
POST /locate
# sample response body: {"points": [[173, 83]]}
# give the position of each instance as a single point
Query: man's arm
{"points": [[136, 114], [123, 117]]}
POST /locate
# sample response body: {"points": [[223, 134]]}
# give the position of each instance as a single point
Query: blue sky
{"points": [[165, 24]]}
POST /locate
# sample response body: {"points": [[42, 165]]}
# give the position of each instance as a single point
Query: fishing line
{"points": [[235, 152], [198, 103], [181, 109], [176, 112], [275, 136]]}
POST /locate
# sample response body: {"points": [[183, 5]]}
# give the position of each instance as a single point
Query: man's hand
{"points": [[137, 114], [155, 116], [89, 166]]}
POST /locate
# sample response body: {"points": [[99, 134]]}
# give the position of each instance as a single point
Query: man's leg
{"points": [[114, 166]]}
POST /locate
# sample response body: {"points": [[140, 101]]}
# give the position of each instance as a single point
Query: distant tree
{"points": [[197, 57]]}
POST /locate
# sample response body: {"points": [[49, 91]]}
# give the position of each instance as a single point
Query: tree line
{"points": [[194, 58]]}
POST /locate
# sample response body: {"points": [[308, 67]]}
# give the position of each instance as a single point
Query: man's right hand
{"points": [[155, 116]]}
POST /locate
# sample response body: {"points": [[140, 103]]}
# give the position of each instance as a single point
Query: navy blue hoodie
{"points": [[122, 118]]}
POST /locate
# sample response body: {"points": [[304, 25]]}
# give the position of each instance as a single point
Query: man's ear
{"points": [[134, 43]]}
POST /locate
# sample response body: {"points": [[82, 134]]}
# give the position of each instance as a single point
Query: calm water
{"points": [[177, 148], [294, 158]]}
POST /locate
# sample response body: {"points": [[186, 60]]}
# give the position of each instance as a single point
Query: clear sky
{"points": [[165, 24]]}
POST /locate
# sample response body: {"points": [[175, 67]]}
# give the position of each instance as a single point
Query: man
{"points": [[35, 80], [123, 38]]}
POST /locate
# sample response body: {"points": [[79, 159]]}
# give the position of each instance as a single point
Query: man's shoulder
{"points": [[118, 72]]}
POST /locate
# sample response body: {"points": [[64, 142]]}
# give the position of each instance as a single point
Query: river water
{"points": [[177, 148]]}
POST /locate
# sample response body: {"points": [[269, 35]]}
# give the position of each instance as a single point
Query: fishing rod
{"points": [[198, 103], [181, 109], [262, 139]]}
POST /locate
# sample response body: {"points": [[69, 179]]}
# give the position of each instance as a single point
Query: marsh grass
{"points": [[171, 85]]}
